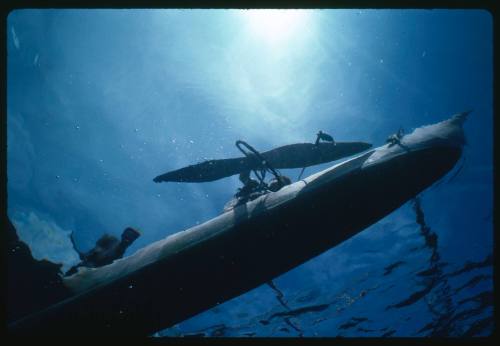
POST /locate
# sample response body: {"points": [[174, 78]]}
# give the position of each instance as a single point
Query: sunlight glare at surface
{"points": [[276, 26]]}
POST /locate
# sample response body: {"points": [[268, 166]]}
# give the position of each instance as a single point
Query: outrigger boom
{"points": [[297, 155]]}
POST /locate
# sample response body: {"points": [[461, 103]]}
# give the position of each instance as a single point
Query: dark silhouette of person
{"points": [[251, 190], [249, 185], [107, 249], [321, 136]]}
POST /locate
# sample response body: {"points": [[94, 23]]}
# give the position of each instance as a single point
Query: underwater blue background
{"points": [[102, 101]]}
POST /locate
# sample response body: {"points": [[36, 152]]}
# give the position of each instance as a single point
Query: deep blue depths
{"points": [[100, 102]]}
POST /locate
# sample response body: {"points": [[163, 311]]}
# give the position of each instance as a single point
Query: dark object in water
{"points": [[191, 271], [31, 284], [107, 249], [288, 156], [395, 138], [391, 267]]}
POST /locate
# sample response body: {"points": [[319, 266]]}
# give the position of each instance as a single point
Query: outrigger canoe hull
{"points": [[194, 270]]}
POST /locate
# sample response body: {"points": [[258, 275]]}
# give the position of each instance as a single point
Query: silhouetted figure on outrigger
{"points": [[250, 187], [323, 137], [107, 249]]}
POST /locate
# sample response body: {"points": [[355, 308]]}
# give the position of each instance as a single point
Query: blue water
{"points": [[102, 101]]}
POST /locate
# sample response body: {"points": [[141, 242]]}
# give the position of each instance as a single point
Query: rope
{"points": [[301, 172], [263, 161]]}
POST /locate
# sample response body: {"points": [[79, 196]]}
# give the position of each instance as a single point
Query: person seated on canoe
{"points": [[323, 137], [395, 138], [107, 249], [250, 187]]}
